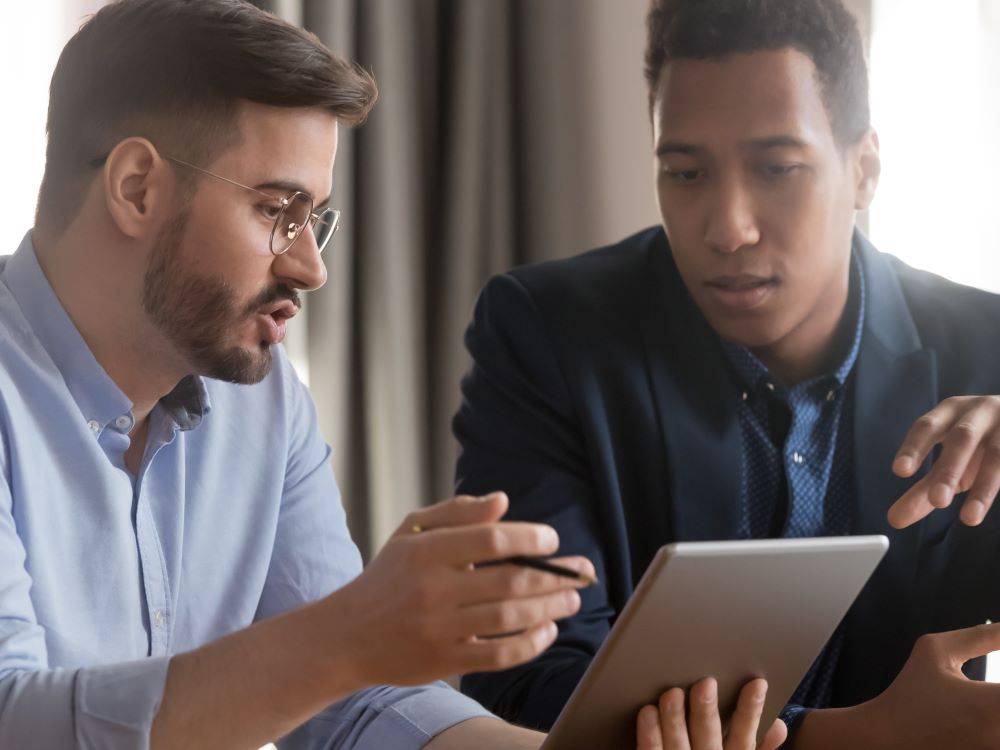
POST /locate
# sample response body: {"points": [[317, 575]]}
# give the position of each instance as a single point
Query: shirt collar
{"points": [[752, 373], [100, 399]]}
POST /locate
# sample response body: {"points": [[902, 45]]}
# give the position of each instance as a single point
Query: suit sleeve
{"points": [[519, 432]]}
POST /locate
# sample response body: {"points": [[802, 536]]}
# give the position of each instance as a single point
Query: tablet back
{"points": [[731, 610]]}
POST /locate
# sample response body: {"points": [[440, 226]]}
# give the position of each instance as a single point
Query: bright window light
{"points": [[935, 83]]}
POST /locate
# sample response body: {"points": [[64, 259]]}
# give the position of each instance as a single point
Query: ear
{"points": [[136, 186], [867, 168]]}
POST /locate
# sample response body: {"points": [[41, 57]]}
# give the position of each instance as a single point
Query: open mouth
{"points": [[741, 292]]}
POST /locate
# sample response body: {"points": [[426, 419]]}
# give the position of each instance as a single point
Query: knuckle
{"points": [[505, 619], [495, 541], [964, 433], [926, 423], [499, 656], [948, 474], [424, 594]]}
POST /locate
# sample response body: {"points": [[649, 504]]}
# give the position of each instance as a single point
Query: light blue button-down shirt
{"points": [[234, 516]]}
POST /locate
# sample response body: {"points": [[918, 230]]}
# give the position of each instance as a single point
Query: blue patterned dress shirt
{"points": [[797, 464]]}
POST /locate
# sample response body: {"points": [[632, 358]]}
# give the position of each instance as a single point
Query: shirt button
{"points": [[798, 457], [158, 618], [123, 422], [830, 396], [744, 395], [770, 387], [94, 425]]}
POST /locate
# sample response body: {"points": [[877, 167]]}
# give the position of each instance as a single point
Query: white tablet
{"points": [[730, 610]]}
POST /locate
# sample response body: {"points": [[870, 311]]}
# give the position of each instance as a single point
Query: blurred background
{"points": [[513, 131]]}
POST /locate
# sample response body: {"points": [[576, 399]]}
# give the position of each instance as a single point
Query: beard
{"points": [[198, 315]]}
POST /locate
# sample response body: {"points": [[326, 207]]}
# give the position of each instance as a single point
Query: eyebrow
{"points": [[756, 144], [288, 186]]}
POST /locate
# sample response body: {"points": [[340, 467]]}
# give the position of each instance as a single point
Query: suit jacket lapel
{"points": [[896, 382], [696, 406]]}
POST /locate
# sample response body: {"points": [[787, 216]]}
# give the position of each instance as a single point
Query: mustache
{"points": [[269, 296]]}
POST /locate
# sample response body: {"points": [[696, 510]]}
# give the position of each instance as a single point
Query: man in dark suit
{"points": [[755, 368]]}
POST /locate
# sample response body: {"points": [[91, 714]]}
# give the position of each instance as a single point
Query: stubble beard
{"points": [[199, 314]]}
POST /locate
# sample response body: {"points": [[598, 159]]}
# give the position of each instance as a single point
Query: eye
{"points": [[270, 210], [777, 170], [682, 176]]}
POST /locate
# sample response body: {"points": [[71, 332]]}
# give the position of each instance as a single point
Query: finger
{"points": [[490, 655], [984, 489], [647, 729], [956, 647], [511, 616], [489, 541], [912, 506], [704, 725], [775, 736], [959, 445], [459, 511], [742, 733], [972, 470], [497, 582], [673, 722], [923, 435]]}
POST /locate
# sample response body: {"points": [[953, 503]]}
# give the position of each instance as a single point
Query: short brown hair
{"points": [[174, 71], [822, 29]]}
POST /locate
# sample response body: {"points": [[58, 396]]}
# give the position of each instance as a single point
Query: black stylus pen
{"points": [[547, 567]]}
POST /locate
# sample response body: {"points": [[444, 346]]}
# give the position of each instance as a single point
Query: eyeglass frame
{"points": [[313, 219]]}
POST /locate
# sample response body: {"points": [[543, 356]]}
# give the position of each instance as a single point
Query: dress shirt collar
{"points": [[101, 401]]}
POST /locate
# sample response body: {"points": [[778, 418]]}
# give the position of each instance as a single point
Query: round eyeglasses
{"points": [[291, 214]]}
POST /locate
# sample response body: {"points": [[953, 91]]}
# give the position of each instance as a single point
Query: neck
{"points": [[819, 344], [97, 278]]}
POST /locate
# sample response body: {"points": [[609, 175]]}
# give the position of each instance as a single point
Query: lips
{"points": [[273, 320], [741, 292]]}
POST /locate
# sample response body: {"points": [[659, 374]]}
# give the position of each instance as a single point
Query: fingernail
{"points": [[550, 539], [904, 463], [710, 692], [940, 495], [974, 511]]}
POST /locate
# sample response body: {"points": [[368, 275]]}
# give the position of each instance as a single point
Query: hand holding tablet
{"points": [[734, 611]]}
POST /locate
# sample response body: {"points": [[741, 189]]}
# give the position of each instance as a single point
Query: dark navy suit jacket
{"points": [[600, 401]]}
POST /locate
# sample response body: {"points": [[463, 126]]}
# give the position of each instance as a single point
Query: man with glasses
{"points": [[175, 568]]}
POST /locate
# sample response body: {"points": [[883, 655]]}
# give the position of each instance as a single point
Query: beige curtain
{"points": [[506, 132]]}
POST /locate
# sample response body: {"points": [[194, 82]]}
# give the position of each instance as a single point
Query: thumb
{"points": [[463, 510], [961, 645]]}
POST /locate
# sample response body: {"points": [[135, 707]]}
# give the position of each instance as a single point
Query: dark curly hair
{"points": [[822, 29], [174, 71]]}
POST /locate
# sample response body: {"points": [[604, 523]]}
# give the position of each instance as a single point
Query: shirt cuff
{"points": [[116, 704], [792, 715], [385, 717], [413, 720]]}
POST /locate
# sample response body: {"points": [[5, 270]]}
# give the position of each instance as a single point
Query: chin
{"points": [[241, 365], [755, 333]]}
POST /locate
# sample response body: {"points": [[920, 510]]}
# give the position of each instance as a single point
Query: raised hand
{"points": [[968, 430]]}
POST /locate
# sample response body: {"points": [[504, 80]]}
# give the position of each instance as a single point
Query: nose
{"points": [[731, 223], [301, 266]]}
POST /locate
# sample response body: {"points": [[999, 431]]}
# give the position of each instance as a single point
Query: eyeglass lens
{"points": [[293, 219]]}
